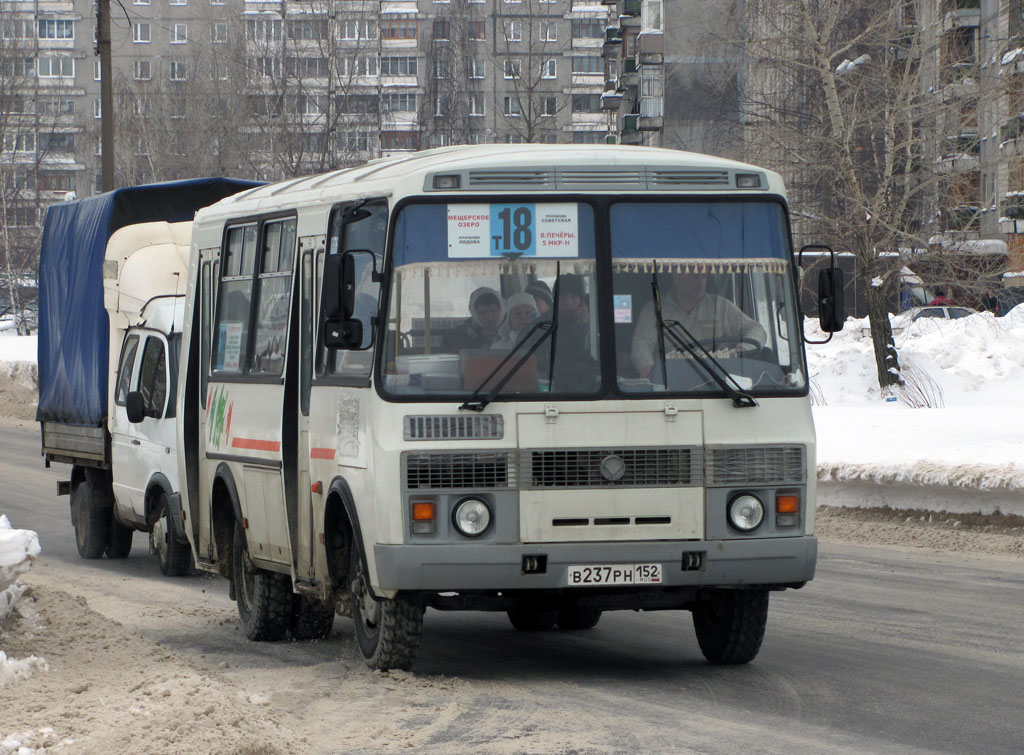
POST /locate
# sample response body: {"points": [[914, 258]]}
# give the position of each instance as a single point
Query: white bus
{"points": [[546, 380]]}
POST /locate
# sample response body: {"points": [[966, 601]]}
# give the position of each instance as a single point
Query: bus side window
{"points": [[367, 231], [231, 334], [204, 330]]}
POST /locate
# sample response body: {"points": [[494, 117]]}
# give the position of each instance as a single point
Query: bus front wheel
{"points": [[730, 625], [388, 630], [264, 597]]}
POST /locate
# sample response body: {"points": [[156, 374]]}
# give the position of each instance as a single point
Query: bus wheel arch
{"points": [[341, 528], [224, 511]]}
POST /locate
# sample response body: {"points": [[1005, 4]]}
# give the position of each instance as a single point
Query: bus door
{"points": [[253, 386], [338, 400]]}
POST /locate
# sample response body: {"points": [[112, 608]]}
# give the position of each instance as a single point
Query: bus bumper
{"points": [[770, 562]]}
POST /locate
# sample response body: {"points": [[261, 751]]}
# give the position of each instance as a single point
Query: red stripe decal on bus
{"points": [[256, 445], [321, 453]]}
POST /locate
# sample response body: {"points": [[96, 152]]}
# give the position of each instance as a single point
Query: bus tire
{"points": [[730, 625], [175, 558], [532, 619], [311, 619], [264, 598], [119, 539], [90, 521], [387, 631], [575, 617]]}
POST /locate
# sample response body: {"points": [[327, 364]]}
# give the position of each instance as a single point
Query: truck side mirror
{"points": [[831, 310], [135, 407]]}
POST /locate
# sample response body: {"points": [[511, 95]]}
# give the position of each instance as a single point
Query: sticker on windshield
{"points": [[623, 306], [528, 230]]}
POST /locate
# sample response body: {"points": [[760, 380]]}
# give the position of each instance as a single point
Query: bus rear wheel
{"points": [[264, 597], [388, 630], [730, 625]]}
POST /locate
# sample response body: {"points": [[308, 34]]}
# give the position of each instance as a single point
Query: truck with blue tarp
{"points": [[111, 290]]}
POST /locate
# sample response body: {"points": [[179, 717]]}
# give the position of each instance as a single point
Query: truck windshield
{"points": [[722, 272], [470, 281]]}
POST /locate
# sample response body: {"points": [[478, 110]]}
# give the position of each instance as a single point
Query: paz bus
{"points": [[551, 381]]}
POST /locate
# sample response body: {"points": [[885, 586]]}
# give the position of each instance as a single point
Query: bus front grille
{"points": [[459, 470], [628, 468], [729, 466]]}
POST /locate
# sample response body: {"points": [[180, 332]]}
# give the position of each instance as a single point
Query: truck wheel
{"points": [[90, 521], [387, 631], [264, 597], [575, 617], [119, 539], [730, 625], [175, 559], [311, 619], [532, 619]]}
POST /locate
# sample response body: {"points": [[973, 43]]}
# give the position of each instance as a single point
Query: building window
{"points": [[587, 137], [17, 29], [588, 28], [586, 103], [307, 67], [178, 70], [399, 102], [512, 107], [141, 33], [177, 2], [587, 64], [398, 66], [359, 28], [549, 69], [97, 71], [23, 141], [56, 68], [56, 181], [442, 105], [513, 68], [402, 28], [514, 139], [263, 30], [514, 30], [476, 104], [218, 32], [268, 66], [60, 106], [143, 71], [442, 30], [478, 31], [179, 34], [399, 140], [315, 28], [56, 29], [477, 69], [548, 105], [56, 142], [362, 66], [548, 31], [97, 111], [140, 2]]}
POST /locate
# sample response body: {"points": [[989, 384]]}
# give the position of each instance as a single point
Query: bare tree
{"points": [[840, 99]]}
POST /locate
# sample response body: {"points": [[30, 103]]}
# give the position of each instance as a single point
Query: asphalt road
{"points": [[887, 650]]}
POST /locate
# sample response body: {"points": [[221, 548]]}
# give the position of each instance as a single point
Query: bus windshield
{"points": [[722, 274], [473, 283]]}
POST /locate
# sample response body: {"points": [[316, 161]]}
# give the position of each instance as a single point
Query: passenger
{"points": [[713, 320], [541, 293], [573, 314], [481, 329], [522, 314]]}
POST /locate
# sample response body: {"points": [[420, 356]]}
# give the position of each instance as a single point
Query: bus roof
{"points": [[522, 168]]}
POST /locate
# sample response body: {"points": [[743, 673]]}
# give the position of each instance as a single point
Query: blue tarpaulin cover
{"points": [[73, 326]]}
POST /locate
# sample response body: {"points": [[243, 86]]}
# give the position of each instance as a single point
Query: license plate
{"points": [[614, 574]]}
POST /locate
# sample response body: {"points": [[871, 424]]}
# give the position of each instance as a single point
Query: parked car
{"points": [[903, 320]]}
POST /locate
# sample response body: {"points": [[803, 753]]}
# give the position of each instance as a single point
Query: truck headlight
{"points": [[746, 512], [471, 517]]}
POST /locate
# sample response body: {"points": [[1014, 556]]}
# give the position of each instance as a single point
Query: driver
{"points": [[713, 320]]}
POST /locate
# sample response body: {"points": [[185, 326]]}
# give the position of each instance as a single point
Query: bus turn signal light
{"points": [[787, 504], [423, 511]]}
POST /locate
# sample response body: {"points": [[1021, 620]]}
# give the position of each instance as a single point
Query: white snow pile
{"points": [[18, 549], [15, 348], [956, 422]]}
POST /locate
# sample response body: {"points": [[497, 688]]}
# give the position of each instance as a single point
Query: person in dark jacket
{"points": [[481, 330]]}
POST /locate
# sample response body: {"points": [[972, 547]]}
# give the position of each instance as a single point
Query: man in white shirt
{"points": [[713, 320]]}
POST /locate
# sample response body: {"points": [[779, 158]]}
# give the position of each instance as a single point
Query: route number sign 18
{"points": [[528, 230]]}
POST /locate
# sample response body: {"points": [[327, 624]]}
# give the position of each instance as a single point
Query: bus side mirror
{"points": [[831, 309], [340, 333], [135, 407]]}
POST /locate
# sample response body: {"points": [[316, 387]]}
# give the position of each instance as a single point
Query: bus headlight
{"points": [[746, 512], [471, 517]]}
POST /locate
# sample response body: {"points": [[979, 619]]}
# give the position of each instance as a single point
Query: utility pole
{"points": [[106, 94]]}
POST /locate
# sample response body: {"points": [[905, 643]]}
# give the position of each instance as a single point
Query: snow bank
{"points": [[969, 373], [15, 348], [18, 549]]}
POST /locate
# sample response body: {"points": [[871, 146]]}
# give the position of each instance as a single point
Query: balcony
{"points": [[960, 18], [1012, 129], [650, 47], [629, 123], [962, 217], [612, 36], [1013, 207], [610, 100], [631, 7]]}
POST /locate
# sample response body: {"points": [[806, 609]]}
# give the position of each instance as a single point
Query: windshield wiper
{"points": [[689, 344], [477, 404]]}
